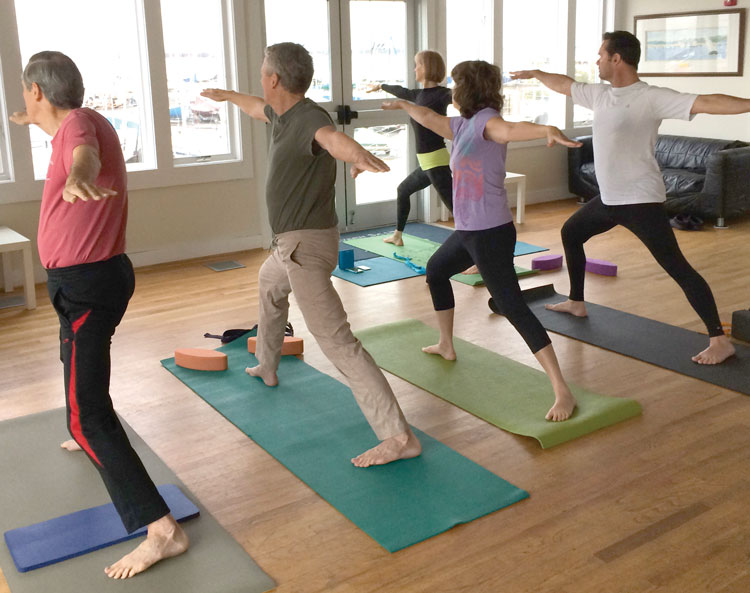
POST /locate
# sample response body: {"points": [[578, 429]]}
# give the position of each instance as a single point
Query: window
{"points": [[588, 40], [373, 60], [469, 36], [194, 55], [4, 146], [541, 45], [468, 30], [310, 29], [103, 39], [143, 65]]}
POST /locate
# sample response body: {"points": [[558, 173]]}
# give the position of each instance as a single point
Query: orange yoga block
{"points": [[291, 345], [200, 359]]}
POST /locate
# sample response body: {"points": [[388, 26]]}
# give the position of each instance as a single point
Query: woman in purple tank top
{"points": [[485, 235]]}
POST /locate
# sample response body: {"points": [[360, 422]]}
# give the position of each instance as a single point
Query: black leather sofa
{"points": [[705, 177]]}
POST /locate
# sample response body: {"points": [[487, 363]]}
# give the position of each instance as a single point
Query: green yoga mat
{"points": [[312, 425], [419, 250], [503, 392]]}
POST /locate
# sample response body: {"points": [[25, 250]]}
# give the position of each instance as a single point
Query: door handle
{"points": [[345, 115]]}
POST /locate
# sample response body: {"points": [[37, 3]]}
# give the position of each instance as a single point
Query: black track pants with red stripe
{"points": [[90, 300]]}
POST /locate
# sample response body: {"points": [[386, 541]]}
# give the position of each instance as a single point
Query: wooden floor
{"points": [[658, 503]]}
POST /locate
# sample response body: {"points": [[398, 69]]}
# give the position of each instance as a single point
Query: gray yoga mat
{"points": [[41, 481], [651, 341]]}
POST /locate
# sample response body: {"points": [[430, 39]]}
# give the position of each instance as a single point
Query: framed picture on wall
{"points": [[708, 43]]}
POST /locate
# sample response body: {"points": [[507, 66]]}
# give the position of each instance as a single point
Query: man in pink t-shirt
{"points": [[90, 280]]}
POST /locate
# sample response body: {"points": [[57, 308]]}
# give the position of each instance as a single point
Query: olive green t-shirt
{"points": [[301, 175]]}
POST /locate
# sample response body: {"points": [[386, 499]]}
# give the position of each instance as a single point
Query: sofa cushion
{"points": [[684, 152], [588, 174], [682, 181]]}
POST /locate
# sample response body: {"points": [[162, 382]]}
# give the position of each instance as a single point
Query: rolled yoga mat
{"points": [[508, 394], [420, 250], [651, 341], [41, 480], [311, 423]]}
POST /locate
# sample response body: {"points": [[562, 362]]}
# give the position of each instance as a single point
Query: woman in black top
{"points": [[432, 155]]}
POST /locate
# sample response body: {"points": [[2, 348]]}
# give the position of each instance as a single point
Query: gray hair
{"points": [[58, 78], [293, 64]]}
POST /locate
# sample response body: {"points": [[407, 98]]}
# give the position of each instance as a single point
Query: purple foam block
{"points": [[546, 262], [600, 266]]}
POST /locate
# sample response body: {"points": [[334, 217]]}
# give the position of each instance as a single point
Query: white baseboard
{"points": [[190, 250]]}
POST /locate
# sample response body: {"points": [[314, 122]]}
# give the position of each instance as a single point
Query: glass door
{"points": [[356, 44]]}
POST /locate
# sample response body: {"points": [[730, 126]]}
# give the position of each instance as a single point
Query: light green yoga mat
{"points": [[313, 426], [503, 392], [419, 250]]}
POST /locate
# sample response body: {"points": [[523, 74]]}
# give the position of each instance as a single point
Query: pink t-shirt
{"points": [[83, 232]]}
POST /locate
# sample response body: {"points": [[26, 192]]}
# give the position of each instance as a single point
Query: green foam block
{"points": [[312, 425], [419, 250], [503, 392]]}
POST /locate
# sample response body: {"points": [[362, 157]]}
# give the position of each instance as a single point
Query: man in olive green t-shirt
{"points": [[300, 196]]}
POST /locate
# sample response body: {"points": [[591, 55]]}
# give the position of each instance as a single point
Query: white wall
{"points": [[731, 127]]}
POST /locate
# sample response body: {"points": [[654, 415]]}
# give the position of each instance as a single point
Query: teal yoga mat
{"points": [[420, 250], [503, 392], [382, 270], [312, 425]]}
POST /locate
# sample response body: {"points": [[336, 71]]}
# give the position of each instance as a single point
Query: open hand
{"points": [[373, 88], [555, 136], [21, 118], [216, 94], [368, 162], [522, 74], [76, 189]]}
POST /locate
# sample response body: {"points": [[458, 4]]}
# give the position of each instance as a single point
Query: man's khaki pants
{"points": [[303, 262]]}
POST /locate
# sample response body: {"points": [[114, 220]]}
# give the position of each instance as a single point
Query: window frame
{"points": [[167, 171]]}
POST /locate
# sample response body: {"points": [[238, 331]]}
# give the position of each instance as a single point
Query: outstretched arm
{"points": [[720, 105], [250, 104], [342, 147], [80, 184], [440, 124], [501, 131], [556, 82]]}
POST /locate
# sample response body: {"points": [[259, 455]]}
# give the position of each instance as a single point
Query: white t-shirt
{"points": [[626, 124]]}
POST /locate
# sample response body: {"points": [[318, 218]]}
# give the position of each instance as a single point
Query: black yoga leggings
{"points": [[650, 223], [440, 177], [492, 252]]}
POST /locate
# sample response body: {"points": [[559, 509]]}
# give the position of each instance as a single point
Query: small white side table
{"points": [[520, 182], [11, 241]]}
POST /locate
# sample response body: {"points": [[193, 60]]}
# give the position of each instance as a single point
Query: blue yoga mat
{"points": [[82, 532], [382, 269], [312, 425], [426, 231]]}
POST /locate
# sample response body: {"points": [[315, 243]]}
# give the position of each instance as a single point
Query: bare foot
{"points": [[719, 349], [268, 377], [395, 239], [577, 308], [402, 446], [471, 270], [71, 445], [165, 539], [444, 350], [565, 403]]}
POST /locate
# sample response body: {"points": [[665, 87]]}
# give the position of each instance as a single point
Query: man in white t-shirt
{"points": [[627, 115]]}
